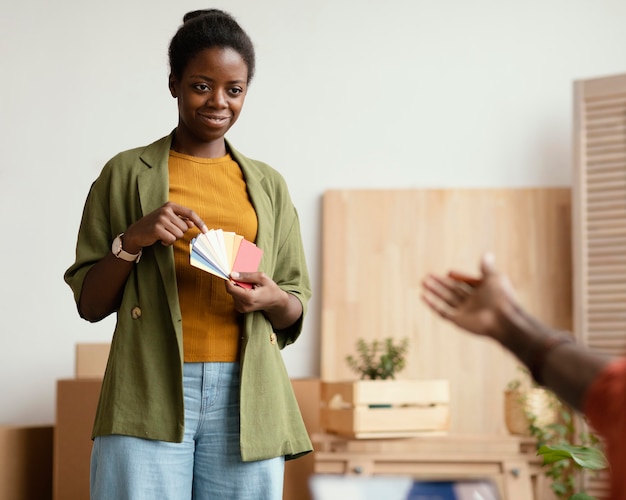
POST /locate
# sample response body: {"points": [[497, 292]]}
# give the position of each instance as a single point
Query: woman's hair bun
{"points": [[204, 12], [205, 29]]}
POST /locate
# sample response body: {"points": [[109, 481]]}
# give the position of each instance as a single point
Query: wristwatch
{"points": [[120, 253]]}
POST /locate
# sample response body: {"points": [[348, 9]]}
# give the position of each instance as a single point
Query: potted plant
{"points": [[551, 423], [562, 458], [523, 399], [378, 405], [379, 359]]}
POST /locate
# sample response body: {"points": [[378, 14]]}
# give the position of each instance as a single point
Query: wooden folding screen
{"points": [[599, 202], [599, 227]]}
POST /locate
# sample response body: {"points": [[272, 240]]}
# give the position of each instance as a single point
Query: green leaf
{"points": [[583, 456], [582, 496]]}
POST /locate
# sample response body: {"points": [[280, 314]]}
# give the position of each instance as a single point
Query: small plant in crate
{"points": [[379, 359]]}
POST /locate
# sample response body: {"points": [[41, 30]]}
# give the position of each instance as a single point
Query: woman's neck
{"points": [[187, 146]]}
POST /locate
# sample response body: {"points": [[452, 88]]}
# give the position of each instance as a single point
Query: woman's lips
{"points": [[214, 119]]}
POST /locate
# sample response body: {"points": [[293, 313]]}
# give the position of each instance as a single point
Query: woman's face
{"points": [[210, 94]]}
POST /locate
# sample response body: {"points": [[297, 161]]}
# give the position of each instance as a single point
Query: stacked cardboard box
{"points": [[77, 400], [298, 472], [91, 360], [25, 463], [52, 462]]}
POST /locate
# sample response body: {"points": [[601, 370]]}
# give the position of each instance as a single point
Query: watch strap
{"points": [[120, 253]]}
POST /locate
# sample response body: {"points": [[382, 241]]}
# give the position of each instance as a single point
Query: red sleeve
{"points": [[605, 401], [605, 408]]}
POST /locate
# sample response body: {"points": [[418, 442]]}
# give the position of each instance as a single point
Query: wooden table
{"points": [[506, 460]]}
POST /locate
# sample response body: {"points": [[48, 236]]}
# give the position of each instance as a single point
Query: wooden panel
{"points": [[379, 244]]}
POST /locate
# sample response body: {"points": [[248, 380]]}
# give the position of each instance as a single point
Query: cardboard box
{"points": [[385, 408], [26, 463], [77, 400], [298, 471], [91, 359]]}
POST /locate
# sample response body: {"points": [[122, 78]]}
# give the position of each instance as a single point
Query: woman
{"points": [[196, 402]]}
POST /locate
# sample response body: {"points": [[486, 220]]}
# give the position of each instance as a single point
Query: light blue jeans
{"points": [[205, 466]]}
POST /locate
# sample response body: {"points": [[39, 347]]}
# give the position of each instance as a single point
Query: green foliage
{"points": [[583, 456], [379, 359], [560, 456], [525, 380]]}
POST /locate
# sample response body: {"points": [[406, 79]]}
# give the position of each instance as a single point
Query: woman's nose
{"points": [[218, 98]]}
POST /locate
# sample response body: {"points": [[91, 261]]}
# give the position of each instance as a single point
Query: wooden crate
{"points": [[385, 408]]}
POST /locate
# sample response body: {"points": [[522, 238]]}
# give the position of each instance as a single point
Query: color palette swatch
{"points": [[223, 252]]}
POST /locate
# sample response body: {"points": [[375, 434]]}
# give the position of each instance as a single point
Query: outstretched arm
{"points": [[486, 306]]}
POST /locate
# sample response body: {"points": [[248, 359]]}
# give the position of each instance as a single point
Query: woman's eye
{"points": [[203, 87], [236, 90]]}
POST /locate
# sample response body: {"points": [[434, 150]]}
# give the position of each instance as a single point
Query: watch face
{"points": [[117, 245]]}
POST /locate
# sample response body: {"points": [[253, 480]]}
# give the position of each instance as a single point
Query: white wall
{"points": [[348, 94]]}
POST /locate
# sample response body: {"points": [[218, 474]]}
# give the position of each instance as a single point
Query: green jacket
{"points": [[142, 392]]}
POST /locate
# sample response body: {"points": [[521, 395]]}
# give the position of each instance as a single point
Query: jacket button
{"points": [[135, 312], [273, 338]]}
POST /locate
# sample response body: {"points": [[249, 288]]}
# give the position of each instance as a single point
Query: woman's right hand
{"points": [[103, 286], [165, 224]]}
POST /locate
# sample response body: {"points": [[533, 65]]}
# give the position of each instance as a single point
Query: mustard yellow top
{"points": [[216, 190]]}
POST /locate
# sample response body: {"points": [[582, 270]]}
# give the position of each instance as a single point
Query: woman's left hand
{"points": [[280, 307], [263, 294]]}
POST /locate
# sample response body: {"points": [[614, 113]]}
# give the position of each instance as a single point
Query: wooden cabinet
{"points": [[505, 460]]}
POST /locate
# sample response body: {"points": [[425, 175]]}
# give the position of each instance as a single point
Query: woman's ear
{"points": [[172, 86]]}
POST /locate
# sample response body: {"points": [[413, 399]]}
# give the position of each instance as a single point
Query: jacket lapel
{"points": [[255, 184], [153, 182], [153, 186]]}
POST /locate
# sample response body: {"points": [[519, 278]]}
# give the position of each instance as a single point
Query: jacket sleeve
{"points": [[292, 276], [290, 270], [111, 206], [94, 235]]}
